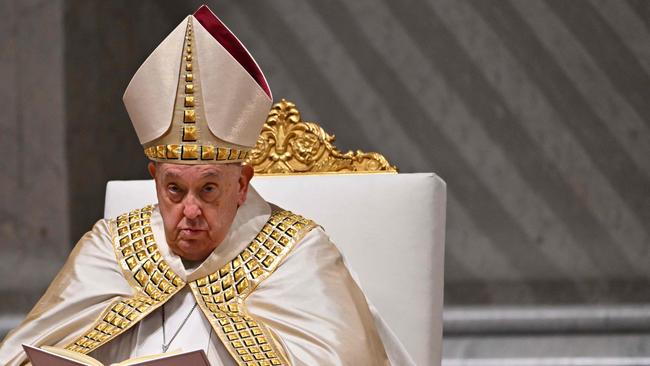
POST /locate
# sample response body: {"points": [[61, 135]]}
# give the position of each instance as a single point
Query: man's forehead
{"points": [[199, 170]]}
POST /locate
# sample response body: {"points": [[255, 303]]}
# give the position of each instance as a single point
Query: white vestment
{"points": [[310, 307]]}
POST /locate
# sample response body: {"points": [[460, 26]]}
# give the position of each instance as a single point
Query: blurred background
{"points": [[536, 114]]}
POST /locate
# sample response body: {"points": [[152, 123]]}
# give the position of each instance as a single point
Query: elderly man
{"points": [[212, 266]]}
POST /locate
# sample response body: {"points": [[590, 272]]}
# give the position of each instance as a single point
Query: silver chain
{"points": [[165, 345]]}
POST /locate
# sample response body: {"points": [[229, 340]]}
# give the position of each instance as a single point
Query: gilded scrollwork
{"points": [[287, 145]]}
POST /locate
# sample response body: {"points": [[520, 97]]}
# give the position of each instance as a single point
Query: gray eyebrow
{"points": [[210, 174], [168, 174]]}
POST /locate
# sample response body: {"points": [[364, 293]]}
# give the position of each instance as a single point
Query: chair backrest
{"points": [[389, 227]]}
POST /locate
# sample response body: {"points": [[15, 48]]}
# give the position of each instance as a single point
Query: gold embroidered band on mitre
{"points": [[189, 140], [220, 295]]}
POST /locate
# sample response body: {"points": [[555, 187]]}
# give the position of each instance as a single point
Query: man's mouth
{"points": [[189, 232]]}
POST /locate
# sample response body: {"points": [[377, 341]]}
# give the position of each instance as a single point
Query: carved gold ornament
{"points": [[288, 145]]}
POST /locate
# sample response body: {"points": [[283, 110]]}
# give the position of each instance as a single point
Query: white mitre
{"points": [[200, 97]]}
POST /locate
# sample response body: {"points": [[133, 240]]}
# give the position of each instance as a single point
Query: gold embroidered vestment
{"points": [[221, 295]]}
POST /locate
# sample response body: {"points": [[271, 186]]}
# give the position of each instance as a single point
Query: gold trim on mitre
{"points": [[193, 101], [189, 139]]}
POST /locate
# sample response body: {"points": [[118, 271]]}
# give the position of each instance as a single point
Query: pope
{"points": [[212, 266]]}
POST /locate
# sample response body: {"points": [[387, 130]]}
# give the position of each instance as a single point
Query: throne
{"points": [[390, 227]]}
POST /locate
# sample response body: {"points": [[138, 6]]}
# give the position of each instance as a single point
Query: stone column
{"points": [[34, 238]]}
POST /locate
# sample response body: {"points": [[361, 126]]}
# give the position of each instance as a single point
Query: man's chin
{"points": [[193, 250]]}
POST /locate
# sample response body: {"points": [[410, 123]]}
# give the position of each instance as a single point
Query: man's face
{"points": [[198, 204]]}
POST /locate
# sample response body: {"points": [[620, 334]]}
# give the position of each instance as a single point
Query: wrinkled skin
{"points": [[198, 204]]}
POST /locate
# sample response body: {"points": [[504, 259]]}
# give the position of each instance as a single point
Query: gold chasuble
{"points": [[275, 292], [220, 295]]}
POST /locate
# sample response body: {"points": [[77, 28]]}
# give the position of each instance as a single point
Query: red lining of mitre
{"points": [[229, 41]]}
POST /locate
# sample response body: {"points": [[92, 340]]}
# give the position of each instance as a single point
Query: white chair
{"points": [[390, 228]]}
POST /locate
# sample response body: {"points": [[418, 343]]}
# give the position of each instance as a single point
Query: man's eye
{"points": [[173, 188], [210, 192], [209, 188]]}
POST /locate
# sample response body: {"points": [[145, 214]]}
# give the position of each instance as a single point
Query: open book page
{"points": [[53, 356], [141, 359], [193, 358]]}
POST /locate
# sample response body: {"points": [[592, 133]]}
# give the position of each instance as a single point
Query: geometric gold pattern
{"points": [[221, 295], [120, 317], [189, 133], [189, 116], [147, 273], [194, 152], [287, 145]]}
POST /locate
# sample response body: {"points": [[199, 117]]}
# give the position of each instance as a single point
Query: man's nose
{"points": [[191, 208]]}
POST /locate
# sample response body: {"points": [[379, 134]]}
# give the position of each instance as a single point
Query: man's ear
{"points": [[152, 169], [245, 176]]}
